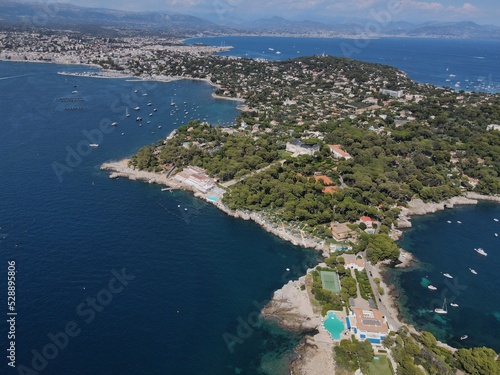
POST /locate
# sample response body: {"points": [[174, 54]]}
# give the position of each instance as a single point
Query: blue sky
{"points": [[480, 11]]}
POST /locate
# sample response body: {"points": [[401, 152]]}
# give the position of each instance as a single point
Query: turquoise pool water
{"points": [[212, 198], [334, 325]]}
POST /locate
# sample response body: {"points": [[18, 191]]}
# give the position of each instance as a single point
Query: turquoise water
{"points": [[441, 247], [334, 325]]}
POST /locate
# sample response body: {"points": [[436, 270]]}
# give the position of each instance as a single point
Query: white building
{"points": [[368, 324], [300, 148], [196, 178], [338, 152]]}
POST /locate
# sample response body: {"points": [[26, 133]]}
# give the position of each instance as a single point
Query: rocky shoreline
{"points": [[291, 305]]}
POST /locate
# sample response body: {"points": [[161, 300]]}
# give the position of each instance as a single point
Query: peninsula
{"points": [[328, 153], [335, 154]]}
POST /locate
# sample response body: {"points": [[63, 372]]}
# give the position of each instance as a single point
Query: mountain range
{"points": [[65, 16]]}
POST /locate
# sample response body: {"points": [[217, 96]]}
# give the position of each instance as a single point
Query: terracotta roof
{"points": [[370, 320], [326, 180]]}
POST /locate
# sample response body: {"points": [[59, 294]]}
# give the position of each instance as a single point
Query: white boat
{"points": [[431, 287], [495, 219], [150, 104], [172, 102], [449, 221], [114, 124], [453, 304], [138, 119], [94, 145], [473, 271], [159, 126], [463, 337], [137, 108], [459, 222], [74, 92], [496, 234], [442, 310], [144, 94], [480, 251], [447, 275], [126, 112]]}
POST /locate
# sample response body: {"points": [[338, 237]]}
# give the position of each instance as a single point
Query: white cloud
{"points": [[465, 9]]}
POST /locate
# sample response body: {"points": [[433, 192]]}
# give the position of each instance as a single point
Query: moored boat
{"points": [[441, 310], [431, 287], [480, 250]]}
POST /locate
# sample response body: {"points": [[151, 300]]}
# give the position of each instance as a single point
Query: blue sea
{"points": [[113, 277], [117, 277], [444, 242], [462, 64]]}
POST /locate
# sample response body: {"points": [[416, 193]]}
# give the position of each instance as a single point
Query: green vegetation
{"points": [[380, 365], [414, 352], [224, 155], [431, 144], [378, 247], [328, 300], [353, 355], [365, 288], [478, 361]]}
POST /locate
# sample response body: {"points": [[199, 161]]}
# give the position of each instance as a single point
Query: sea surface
{"points": [[115, 276], [438, 246], [444, 242], [462, 64], [151, 282]]}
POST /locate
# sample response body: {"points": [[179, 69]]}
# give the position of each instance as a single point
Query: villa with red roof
{"points": [[338, 152], [367, 220], [368, 324]]}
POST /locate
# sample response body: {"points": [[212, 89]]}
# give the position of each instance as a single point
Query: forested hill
{"points": [[403, 140]]}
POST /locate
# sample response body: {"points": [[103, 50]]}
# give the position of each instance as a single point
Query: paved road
{"points": [[381, 300]]}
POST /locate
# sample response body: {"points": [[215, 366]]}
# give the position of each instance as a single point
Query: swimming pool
{"points": [[333, 325], [212, 198]]}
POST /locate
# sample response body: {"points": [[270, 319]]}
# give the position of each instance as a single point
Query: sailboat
{"points": [[172, 102], [442, 310], [126, 112]]}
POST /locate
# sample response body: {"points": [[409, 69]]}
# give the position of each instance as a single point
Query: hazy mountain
{"points": [[58, 15], [358, 27]]}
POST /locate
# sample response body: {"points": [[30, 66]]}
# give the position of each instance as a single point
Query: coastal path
{"points": [[235, 181]]}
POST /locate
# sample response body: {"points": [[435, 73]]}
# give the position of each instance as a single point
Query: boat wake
{"points": [[11, 77]]}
